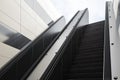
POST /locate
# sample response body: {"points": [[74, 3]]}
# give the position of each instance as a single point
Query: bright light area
{"points": [[50, 9], [69, 7]]}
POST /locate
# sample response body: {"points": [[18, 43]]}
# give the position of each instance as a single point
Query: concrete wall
{"points": [[31, 24], [18, 15], [29, 17], [34, 4], [7, 53], [50, 9]]}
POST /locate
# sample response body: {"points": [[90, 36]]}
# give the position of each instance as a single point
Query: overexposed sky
{"points": [[69, 7]]}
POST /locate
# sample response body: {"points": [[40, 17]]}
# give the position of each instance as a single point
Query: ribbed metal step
{"points": [[86, 79], [88, 61]]}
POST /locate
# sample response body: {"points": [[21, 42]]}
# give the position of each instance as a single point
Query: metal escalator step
{"points": [[87, 63], [84, 75], [86, 79]]}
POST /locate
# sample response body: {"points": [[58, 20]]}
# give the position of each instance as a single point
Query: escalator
{"points": [[82, 58], [87, 63], [84, 55], [73, 51]]}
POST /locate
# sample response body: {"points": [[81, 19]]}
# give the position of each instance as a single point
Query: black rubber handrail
{"points": [[107, 59], [57, 58]]}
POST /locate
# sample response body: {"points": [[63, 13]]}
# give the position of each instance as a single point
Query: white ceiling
{"points": [[69, 7]]}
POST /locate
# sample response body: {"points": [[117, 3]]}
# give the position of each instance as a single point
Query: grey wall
{"points": [[39, 10]]}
